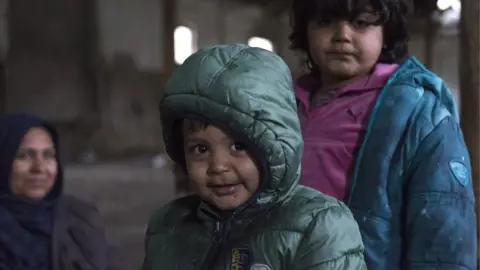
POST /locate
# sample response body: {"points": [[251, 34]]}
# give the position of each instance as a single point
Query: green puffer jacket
{"points": [[248, 91]]}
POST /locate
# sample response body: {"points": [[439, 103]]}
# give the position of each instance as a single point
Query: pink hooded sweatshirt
{"points": [[333, 132]]}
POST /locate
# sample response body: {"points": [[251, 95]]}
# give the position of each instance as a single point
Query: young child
{"points": [[229, 118], [382, 134]]}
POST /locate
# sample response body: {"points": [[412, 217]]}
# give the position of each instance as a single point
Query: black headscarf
{"points": [[26, 226]]}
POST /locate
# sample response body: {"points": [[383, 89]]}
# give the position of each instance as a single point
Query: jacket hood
{"points": [[247, 92], [413, 72]]}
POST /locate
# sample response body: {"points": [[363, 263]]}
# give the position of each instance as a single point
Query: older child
{"points": [[229, 118], [383, 135]]}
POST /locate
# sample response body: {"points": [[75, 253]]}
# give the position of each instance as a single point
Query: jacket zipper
{"points": [[220, 234], [217, 241]]}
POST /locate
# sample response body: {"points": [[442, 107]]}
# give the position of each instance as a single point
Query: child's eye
{"points": [[361, 23], [198, 149], [323, 21], [238, 147], [366, 19]]}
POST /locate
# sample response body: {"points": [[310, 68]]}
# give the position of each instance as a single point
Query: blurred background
{"points": [[96, 69]]}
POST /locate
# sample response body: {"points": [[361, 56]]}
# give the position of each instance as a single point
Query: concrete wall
{"points": [[46, 69], [131, 27], [135, 27]]}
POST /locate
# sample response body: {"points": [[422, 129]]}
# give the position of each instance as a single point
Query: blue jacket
{"points": [[412, 192]]}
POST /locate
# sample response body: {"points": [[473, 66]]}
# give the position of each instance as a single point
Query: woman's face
{"points": [[35, 166]]}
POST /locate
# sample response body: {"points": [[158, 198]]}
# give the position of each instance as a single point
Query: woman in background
{"points": [[40, 228]]}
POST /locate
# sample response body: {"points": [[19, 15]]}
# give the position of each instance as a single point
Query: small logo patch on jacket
{"points": [[259, 266], [240, 259], [460, 172]]}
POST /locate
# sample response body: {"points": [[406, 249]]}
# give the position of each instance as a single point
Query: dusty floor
{"points": [[125, 195]]}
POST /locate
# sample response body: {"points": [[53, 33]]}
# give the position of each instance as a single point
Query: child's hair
{"points": [[393, 17], [192, 125]]}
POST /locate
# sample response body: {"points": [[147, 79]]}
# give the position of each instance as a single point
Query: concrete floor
{"points": [[125, 195]]}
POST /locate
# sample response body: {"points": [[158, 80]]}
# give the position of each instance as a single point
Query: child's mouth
{"points": [[224, 190], [340, 55]]}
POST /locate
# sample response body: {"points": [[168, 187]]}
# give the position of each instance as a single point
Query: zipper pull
{"points": [[217, 233]]}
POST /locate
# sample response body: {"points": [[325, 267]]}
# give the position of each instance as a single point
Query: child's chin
{"points": [[227, 204], [343, 69]]}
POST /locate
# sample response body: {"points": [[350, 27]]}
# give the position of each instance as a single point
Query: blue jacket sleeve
{"points": [[440, 221]]}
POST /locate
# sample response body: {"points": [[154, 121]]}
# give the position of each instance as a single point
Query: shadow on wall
{"points": [[128, 122]]}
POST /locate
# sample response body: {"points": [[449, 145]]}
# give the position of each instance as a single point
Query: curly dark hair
{"points": [[393, 17]]}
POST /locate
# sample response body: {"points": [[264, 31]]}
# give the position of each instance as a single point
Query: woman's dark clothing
{"points": [[79, 241], [56, 233]]}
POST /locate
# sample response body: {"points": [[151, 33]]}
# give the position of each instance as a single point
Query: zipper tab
{"points": [[215, 249], [220, 236], [217, 233]]}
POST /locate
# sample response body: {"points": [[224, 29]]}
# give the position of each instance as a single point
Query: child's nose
{"points": [[342, 31], [218, 164]]}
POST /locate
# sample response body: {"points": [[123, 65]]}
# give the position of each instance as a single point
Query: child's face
{"points": [[345, 50], [219, 168]]}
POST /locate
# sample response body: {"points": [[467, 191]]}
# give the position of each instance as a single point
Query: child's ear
{"points": [[179, 169], [180, 177]]}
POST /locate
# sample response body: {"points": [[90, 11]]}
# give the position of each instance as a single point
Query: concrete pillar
{"points": [[3, 89], [470, 86], [430, 39], [3, 52], [169, 24]]}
